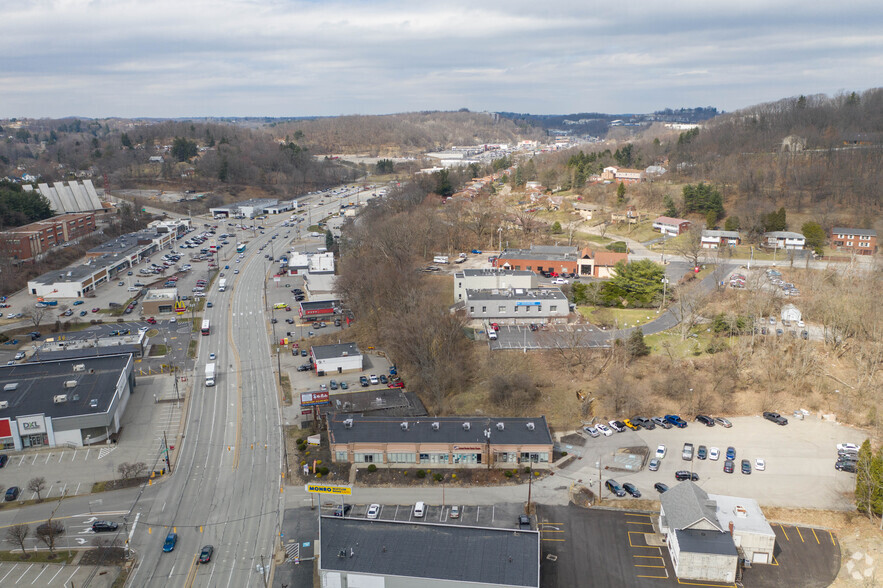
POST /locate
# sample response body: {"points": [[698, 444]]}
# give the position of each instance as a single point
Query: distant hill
{"points": [[403, 134]]}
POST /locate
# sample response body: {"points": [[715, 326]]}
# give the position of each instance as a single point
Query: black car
{"points": [[705, 420], [614, 487], [363, 381], [729, 466], [341, 510], [846, 466], [304, 368], [631, 489], [383, 379], [205, 555], [524, 522], [660, 487], [644, 423], [3, 459], [702, 452], [12, 493], [775, 417], [682, 475], [746, 466], [303, 352], [104, 526]]}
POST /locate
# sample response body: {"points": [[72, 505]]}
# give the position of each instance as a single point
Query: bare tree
{"points": [[132, 470], [37, 485], [690, 300], [17, 534], [689, 244], [36, 315], [49, 532]]}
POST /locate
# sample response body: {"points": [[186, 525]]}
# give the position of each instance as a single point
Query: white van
{"points": [[133, 288], [419, 509]]}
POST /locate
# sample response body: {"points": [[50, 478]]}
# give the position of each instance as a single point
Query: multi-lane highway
{"points": [[226, 490]]}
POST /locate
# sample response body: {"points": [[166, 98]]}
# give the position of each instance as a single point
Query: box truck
{"points": [[210, 374]]}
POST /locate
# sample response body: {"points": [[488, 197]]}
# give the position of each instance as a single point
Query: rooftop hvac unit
{"points": [[79, 367], [530, 426], [93, 403], [345, 353], [70, 384], [4, 404], [59, 398], [435, 426], [10, 387], [404, 426], [466, 426], [348, 423], [501, 426]]}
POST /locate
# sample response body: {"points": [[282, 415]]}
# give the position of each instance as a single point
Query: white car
{"points": [[759, 464], [20, 355], [604, 430], [660, 452], [211, 355], [560, 281], [373, 511], [847, 447], [714, 453], [173, 320], [373, 379], [801, 324]]}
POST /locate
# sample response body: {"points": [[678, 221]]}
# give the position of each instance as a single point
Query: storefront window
{"points": [[467, 458], [369, 458], [433, 458], [400, 457], [340, 456]]}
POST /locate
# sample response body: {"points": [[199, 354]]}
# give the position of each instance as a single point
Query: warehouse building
{"points": [[490, 279], [73, 402], [517, 304], [245, 209], [399, 554], [337, 358], [439, 441]]}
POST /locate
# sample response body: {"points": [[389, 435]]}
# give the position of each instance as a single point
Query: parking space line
{"points": [[647, 566], [787, 538], [40, 574], [656, 577], [635, 514], [72, 575], [75, 455], [816, 536], [832, 537], [48, 455], [702, 584], [644, 546], [23, 573], [60, 456], [9, 572], [800, 534], [56, 573], [638, 523]]}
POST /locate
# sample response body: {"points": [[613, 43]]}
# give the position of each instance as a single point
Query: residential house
{"points": [[712, 239], [784, 240], [622, 174], [671, 226], [629, 215], [859, 241]]}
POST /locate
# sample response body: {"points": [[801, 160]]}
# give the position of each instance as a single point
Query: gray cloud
{"points": [[281, 57]]}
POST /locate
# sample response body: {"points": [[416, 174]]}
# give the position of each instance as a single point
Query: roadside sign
{"points": [[325, 489]]}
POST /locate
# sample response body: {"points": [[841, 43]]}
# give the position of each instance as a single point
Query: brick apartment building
{"points": [[860, 241], [31, 240], [562, 260]]}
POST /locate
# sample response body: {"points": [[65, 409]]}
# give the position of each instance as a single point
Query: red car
{"points": [[151, 321], [96, 309], [495, 326], [398, 384]]}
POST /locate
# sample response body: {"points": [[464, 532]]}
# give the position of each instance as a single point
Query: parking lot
{"points": [[620, 549], [503, 516], [54, 575], [799, 460]]}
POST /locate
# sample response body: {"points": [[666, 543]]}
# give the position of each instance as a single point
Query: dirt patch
{"points": [[573, 439], [317, 458], [118, 484], [104, 556], [583, 497], [450, 477]]}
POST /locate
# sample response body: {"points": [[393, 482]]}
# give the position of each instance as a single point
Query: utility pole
{"points": [[529, 486], [263, 571], [165, 442]]}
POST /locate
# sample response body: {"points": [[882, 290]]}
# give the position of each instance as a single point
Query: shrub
{"points": [[527, 470], [373, 468], [536, 474], [324, 470], [318, 462], [421, 473], [563, 453], [454, 476], [507, 473], [318, 474], [301, 441], [438, 477]]}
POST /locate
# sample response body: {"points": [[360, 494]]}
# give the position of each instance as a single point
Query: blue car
{"points": [[676, 420], [171, 540], [731, 453]]}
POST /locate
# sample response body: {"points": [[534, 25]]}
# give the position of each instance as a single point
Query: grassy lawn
{"points": [[286, 389], [622, 317], [670, 343], [60, 557], [640, 232], [191, 349], [158, 350]]}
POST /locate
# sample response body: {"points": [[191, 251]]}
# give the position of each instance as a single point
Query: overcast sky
{"points": [[176, 58]]}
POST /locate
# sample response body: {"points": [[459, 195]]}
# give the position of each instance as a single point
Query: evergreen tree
{"points": [[636, 346], [815, 236], [671, 209], [732, 223], [620, 193]]}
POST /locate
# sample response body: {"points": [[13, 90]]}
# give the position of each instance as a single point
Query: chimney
{"points": [[732, 526]]}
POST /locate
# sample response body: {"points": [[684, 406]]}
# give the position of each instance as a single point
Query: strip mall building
{"points": [[455, 442]]}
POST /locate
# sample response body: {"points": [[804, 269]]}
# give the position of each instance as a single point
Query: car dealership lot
{"points": [[799, 460]]}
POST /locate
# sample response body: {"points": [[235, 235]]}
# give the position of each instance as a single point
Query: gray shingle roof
{"points": [[335, 350], [844, 231], [421, 550], [686, 504]]}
